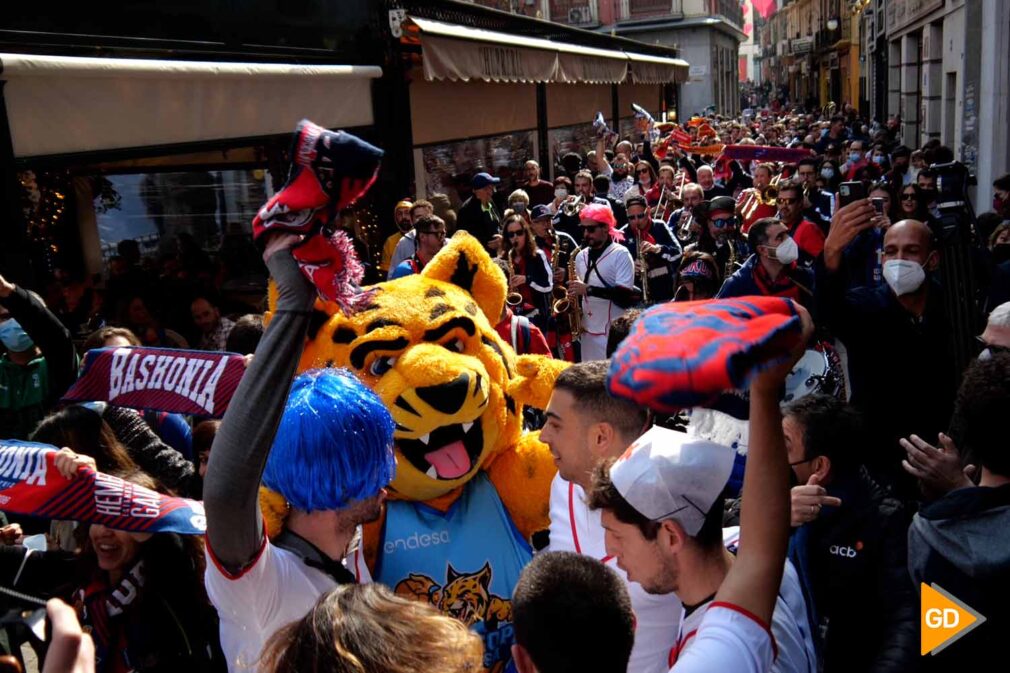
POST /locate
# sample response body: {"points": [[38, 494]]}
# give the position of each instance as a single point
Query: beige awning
{"points": [[461, 53], [648, 69], [62, 104]]}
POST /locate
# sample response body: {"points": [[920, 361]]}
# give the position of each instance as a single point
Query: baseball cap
{"points": [[666, 474], [482, 180], [540, 212]]}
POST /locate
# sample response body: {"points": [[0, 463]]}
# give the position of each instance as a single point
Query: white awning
{"points": [[456, 53], [648, 69], [63, 104]]}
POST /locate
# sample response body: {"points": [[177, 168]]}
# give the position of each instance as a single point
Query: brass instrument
{"points": [[559, 292], [664, 200], [566, 305], [766, 197], [684, 227], [571, 206], [513, 299], [730, 261], [640, 259]]}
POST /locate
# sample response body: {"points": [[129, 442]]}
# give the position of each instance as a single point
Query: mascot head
{"points": [[426, 346]]}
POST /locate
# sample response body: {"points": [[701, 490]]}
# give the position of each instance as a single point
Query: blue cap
{"points": [[482, 180], [540, 212]]}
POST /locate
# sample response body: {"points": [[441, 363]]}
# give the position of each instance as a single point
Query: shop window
{"points": [[215, 208], [448, 167]]}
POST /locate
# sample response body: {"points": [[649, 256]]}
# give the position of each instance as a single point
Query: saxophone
{"points": [[513, 299], [565, 304], [559, 292], [640, 258], [731, 260]]}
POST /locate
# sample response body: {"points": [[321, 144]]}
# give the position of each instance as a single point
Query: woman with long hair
{"points": [[531, 272], [645, 179], [365, 628], [140, 595], [912, 204], [832, 175]]}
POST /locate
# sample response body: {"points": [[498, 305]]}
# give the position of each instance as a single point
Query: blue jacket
{"points": [[660, 284]]}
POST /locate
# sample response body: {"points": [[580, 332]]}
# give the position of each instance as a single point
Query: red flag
{"points": [[764, 7]]}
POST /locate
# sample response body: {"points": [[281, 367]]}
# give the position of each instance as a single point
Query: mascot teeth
{"points": [[467, 426], [425, 438], [432, 473], [446, 452]]}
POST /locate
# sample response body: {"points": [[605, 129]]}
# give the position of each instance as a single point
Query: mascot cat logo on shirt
{"points": [[471, 487]]}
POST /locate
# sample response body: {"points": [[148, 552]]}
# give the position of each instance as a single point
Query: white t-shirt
{"points": [[277, 589], [790, 627], [729, 639], [574, 527]]}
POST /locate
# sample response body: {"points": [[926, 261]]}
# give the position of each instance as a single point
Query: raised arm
{"points": [[48, 333], [753, 581], [231, 490]]}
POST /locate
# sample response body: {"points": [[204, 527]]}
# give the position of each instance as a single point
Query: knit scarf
{"points": [[102, 609]]}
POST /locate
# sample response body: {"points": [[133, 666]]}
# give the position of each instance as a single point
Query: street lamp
{"points": [[832, 23]]}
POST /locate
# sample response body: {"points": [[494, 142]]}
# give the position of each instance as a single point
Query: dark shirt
{"points": [[901, 371], [662, 268], [541, 192], [480, 223]]}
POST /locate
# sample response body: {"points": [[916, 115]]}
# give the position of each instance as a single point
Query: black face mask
{"points": [[928, 195], [1001, 253]]}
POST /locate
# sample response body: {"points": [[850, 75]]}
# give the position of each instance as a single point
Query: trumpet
{"points": [[684, 229], [564, 304], [513, 299], [572, 205]]}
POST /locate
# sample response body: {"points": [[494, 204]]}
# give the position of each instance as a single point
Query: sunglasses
{"points": [[643, 171], [640, 216], [515, 234], [724, 222], [908, 197], [590, 228], [786, 201]]}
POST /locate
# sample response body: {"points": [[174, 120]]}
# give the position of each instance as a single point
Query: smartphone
{"points": [[878, 204], [850, 191]]}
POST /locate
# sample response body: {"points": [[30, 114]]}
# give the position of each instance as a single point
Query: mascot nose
{"points": [[446, 398]]}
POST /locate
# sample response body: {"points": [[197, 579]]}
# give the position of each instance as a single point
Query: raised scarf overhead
{"points": [[681, 355], [30, 484], [198, 383]]}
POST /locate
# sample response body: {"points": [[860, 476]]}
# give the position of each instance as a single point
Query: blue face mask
{"points": [[854, 157], [15, 339]]}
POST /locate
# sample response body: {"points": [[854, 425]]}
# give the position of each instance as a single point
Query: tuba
{"points": [[564, 304]]}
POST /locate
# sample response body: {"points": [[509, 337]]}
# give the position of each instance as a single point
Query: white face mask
{"points": [[560, 193], [787, 251], [903, 276]]}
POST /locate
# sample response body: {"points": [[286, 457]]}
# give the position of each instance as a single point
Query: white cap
{"points": [[666, 474]]}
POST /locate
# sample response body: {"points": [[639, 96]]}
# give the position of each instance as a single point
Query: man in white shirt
{"points": [[585, 424], [662, 515], [605, 278], [294, 444]]}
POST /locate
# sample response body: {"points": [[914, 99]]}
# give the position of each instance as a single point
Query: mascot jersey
{"points": [[465, 562]]}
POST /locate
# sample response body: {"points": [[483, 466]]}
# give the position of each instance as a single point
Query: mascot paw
{"points": [[535, 379], [275, 510]]}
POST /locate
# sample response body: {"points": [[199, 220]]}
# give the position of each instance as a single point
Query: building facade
{"points": [[706, 33]]}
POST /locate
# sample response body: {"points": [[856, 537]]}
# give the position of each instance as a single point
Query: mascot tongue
{"points": [[451, 461]]}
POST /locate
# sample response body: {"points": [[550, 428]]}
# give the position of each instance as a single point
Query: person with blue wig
{"points": [[327, 451]]}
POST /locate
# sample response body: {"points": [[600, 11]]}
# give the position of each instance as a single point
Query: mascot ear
{"points": [[465, 263], [534, 381]]}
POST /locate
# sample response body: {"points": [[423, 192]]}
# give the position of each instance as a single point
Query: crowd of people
{"points": [[870, 457]]}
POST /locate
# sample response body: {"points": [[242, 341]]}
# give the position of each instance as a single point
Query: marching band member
{"points": [[529, 270], [558, 246], [757, 202], [605, 278], [651, 244], [719, 235]]}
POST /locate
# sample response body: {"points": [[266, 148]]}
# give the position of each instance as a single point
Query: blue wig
{"points": [[334, 444]]}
